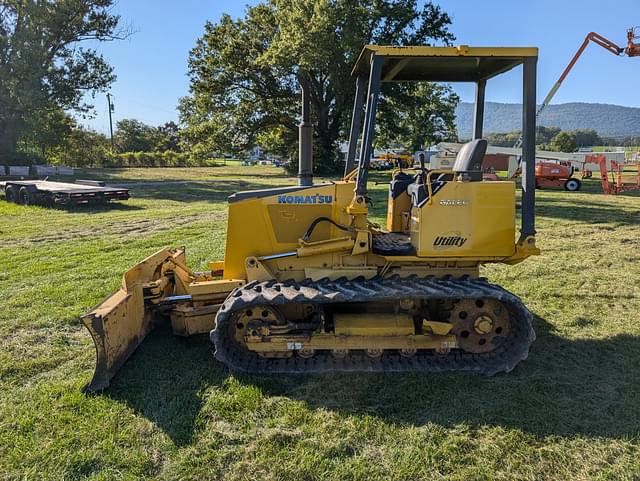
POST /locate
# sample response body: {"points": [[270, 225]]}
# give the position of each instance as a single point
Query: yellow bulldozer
{"points": [[309, 284], [400, 158]]}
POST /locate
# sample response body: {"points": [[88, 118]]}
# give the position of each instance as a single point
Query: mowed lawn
{"points": [[571, 411]]}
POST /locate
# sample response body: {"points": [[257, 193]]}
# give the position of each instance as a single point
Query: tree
{"points": [[134, 136], [244, 73], [43, 68], [563, 142], [278, 141], [167, 138], [585, 137], [544, 135], [417, 115], [509, 139], [44, 130], [80, 148]]}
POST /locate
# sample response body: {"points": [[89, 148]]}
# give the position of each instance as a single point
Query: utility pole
{"points": [[110, 105]]}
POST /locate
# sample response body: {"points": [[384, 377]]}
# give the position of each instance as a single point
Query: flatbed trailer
{"points": [[46, 192]]}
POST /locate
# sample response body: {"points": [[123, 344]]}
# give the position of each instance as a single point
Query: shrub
{"points": [[156, 159]]}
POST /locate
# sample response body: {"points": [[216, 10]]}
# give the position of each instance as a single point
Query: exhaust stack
{"points": [[305, 142]]}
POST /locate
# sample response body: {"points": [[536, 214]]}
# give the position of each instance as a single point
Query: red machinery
{"points": [[616, 180], [633, 49], [551, 174]]}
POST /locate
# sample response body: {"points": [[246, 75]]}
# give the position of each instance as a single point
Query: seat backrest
{"points": [[420, 194], [400, 183], [469, 159]]}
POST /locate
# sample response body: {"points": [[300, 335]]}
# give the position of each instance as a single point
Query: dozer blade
{"points": [[121, 322]]}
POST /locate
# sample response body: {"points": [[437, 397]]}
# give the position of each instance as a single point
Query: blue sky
{"points": [[151, 66]]}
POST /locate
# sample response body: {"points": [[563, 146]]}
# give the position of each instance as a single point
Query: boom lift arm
{"points": [[591, 37], [632, 50]]}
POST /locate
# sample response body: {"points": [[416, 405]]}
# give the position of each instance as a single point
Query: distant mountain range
{"points": [[607, 120]]}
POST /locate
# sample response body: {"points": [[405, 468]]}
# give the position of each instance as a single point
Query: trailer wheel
{"points": [[572, 185], [11, 194], [24, 196]]}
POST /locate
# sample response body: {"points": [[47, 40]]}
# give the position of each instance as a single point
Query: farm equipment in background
{"points": [[396, 159], [46, 192], [559, 169], [553, 174], [308, 284], [632, 50], [620, 177], [553, 169]]}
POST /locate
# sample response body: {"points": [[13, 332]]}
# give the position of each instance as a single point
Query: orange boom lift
{"points": [[617, 180], [632, 50], [549, 174]]}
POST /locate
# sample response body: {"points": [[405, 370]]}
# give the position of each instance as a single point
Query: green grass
{"points": [[571, 411], [605, 148]]}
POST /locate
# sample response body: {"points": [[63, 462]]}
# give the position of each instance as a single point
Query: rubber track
{"points": [[514, 349]]}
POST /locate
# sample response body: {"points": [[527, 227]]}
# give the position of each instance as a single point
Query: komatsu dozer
{"points": [[309, 284]]}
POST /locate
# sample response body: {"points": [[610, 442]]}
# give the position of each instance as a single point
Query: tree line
{"points": [[135, 144], [244, 81], [557, 140]]}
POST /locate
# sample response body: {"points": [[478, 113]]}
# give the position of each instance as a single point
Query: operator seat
{"points": [[469, 159], [400, 182], [468, 164]]}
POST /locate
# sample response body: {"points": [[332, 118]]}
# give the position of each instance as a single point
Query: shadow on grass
{"points": [[195, 191], [581, 210], [91, 207], [164, 378], [565, 388], [94, 208], [176, 174]]}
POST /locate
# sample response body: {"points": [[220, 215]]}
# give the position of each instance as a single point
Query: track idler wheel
{"points": [[257, 322], [480, 325]]}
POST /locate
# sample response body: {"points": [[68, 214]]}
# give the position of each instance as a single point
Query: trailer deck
{"points": [[46, 192]]}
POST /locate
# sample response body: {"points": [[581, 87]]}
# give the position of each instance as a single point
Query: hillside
{"points": [[607, 120]]}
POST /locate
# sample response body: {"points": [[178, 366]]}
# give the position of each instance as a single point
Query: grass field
{"points": [[571, 411], [606, 148]]}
